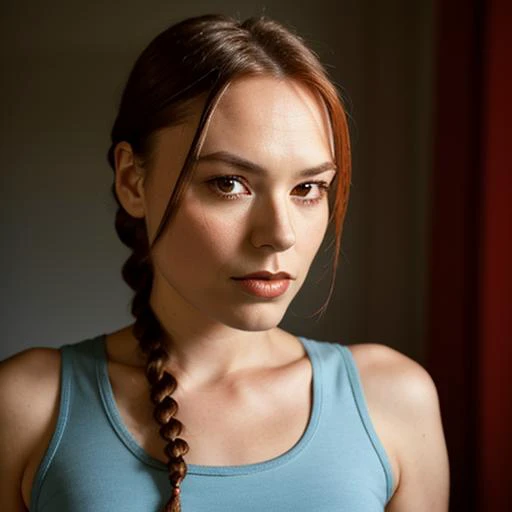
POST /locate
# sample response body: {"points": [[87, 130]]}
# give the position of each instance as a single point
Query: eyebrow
{"points": [[251, 167]]}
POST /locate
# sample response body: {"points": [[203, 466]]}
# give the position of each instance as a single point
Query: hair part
{"points": [[198, 57]]}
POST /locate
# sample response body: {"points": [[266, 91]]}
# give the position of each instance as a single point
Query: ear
{"points": [[129, 180]]}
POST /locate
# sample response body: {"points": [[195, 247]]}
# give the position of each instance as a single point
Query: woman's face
{"points": [[249, 207]]}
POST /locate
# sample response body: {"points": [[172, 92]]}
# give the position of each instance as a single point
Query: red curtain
{"points": [[495, 334], [470, 301]]}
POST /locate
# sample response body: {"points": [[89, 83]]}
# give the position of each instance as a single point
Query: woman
{"points": [[230, 149]]}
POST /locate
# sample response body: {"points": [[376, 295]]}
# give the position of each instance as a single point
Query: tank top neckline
{"points": [[127, 438]]}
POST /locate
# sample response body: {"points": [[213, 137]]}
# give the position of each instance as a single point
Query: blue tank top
{"points": [[94, 464]]}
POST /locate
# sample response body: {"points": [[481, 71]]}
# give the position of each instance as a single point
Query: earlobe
{"points": [[129, 180]]}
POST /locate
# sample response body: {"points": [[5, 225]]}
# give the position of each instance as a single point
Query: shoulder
{"points": [[34, 366], [29, 392], [29, 384], [403, 401], [385, 372]]}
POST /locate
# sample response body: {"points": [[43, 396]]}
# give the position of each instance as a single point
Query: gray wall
{"points": [[64, 66]]}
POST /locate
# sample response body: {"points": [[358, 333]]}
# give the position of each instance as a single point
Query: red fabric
{"points": [[453, 295], [495, 335], [470, 300]]}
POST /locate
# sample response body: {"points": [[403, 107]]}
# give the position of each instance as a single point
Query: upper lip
{"points": [[264, 274]]}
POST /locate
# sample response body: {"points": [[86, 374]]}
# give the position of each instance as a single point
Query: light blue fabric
{"points": [[93, 464]]}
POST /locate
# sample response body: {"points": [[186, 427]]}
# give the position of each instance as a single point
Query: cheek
{"points": [[310, 240], [312, 227], [197, 239]]}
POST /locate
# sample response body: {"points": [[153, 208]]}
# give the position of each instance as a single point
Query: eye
{"points": [[319, 189], [229, 187]]}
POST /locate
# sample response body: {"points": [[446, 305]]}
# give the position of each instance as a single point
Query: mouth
{"points": [[265, 275], [264, 287]]}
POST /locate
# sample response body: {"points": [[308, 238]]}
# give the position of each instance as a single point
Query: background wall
{"points": [[64, 65]]}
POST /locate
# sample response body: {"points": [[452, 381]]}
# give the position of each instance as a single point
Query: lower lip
{"points": [[264, 287]]}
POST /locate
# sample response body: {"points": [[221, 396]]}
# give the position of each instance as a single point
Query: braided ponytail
{"points": [[192, 59], [138, 274]]}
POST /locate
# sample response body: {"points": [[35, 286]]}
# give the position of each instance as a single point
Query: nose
{"points": [[272, 224]]}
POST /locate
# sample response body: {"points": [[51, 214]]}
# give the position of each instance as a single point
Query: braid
{"points": [[138, 274]]}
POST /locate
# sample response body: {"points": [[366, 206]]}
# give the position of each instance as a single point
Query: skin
{"points": [[225, 344]]}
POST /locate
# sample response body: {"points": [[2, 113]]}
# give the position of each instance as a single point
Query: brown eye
{"points": [[225, 184], [305, 188]]}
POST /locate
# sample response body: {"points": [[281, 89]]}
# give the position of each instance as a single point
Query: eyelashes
{"points": [[218, 183]]}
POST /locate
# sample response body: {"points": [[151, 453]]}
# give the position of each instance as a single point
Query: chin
{"points": [[263, 319]]}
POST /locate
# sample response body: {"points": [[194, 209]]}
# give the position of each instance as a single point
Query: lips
{"points": [[264, 274], [264, 288]]}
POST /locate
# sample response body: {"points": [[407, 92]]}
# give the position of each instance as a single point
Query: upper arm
{"points": [[29, 388], [402, 393], [422, 455]]}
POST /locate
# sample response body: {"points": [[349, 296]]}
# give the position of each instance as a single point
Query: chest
{"points": [[290, 487], [229, 425]]}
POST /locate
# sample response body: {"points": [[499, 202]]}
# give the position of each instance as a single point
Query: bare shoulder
{"points": [[38, 367], [385, 372], [29, 391], [403, 399]]}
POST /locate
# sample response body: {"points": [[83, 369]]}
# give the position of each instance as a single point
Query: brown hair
{"points": [[201, 56]]}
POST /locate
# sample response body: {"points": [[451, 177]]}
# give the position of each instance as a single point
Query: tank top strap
{"points": [[344, 403], [360, 401], [77, 379], [353, 385]]}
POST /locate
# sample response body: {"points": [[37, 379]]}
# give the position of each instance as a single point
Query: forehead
{"points": [[266, 116]]}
